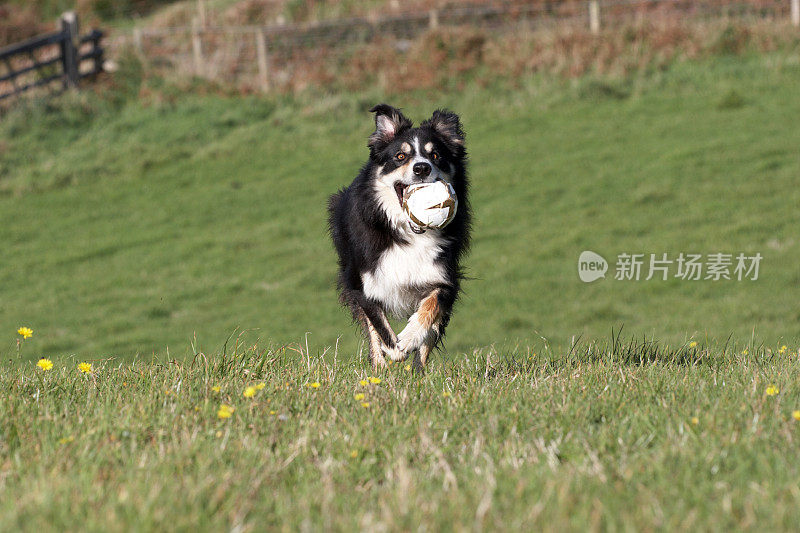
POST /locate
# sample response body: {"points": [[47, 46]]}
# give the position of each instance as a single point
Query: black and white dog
{"points": [[385, 265]]}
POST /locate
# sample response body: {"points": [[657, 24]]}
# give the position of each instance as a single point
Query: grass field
{"points": [[614, 438], [177, 243], [132, 229]]}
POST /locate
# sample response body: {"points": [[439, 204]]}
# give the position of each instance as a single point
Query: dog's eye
{"points": [[400, 156], [435, 156]]}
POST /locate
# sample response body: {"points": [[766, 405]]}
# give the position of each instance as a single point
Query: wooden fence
{"points": [[60, 58], [265, 56]]}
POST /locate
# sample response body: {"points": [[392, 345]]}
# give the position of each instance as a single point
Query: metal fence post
{"points": [[594, 16], [69, 49]]}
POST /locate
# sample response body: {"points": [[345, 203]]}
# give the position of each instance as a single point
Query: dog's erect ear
{"points": [[448, 126], [389, 122]]}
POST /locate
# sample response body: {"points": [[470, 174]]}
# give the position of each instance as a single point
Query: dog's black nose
{"points": [[422, 169]]}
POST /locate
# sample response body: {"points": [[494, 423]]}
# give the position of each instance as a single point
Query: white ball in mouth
{"points": [[430, 205]]}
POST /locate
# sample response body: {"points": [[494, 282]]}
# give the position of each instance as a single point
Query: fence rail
{"points": [[46, 59]]}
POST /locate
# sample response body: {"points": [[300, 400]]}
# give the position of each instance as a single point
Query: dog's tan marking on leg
{"points": [[429, 311]]}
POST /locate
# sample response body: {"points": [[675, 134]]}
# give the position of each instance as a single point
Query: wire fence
{"points": [[269, 56]]}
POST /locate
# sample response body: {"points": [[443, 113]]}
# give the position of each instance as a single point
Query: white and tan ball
{"points": [[430, 205]]}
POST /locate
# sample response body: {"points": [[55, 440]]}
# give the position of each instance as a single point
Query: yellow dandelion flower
{"points": [[359, 396], [216, 388], [363, 382], [745, 352], [782, 349], [66, 440], [315, 385], [408, 368], [772, 390], [796, 415], [249, 392], [25, 331], [354, 454], [445, 394], [225, 411], [692, 344], [86, 368], [218, 433], [364, 404], [45, 364], [272, 412], [261, 386], [374, 381], [695, 420]]}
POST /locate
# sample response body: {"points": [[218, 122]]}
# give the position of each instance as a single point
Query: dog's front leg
{"points": [[423, 326], [375, 345], [381, 336], [377, 330]]}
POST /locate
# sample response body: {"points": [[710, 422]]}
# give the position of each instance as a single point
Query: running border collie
{"points": [[387, 266]]}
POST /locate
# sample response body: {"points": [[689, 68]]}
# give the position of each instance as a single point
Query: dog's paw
{"points": [[413, 335], [394, 353]]}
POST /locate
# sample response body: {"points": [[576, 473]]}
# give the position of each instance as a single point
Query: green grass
{"points": [[138, 234], [631, 437], [132, 228]]}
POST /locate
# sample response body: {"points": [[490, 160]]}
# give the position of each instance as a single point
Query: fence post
{"points": [[197, 48], [433, 19], [69, 49], [263, 59], [137, 40], [201, 12], [99, 59], [796, 12], [594, 16]]}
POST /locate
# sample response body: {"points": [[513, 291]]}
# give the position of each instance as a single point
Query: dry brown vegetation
{"points": [[453, 56], [20, 22], [402, 52]]}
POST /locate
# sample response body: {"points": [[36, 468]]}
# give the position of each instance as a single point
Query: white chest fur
{"points": [[402, 270]]}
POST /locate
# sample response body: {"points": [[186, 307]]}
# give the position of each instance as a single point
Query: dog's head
{"points": [[404, 155]]}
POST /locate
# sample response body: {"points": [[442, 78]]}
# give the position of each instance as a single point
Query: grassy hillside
{"points": [[192, 227], [132, 227], [641, 440]]}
